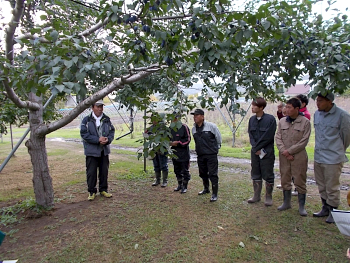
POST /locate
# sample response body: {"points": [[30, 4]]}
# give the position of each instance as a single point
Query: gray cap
{"points": [[328, 95], [99, 103]]}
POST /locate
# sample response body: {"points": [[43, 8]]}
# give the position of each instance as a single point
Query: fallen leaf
{"points": [[220, 227]]}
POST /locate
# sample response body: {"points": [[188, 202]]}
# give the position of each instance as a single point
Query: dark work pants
{"points": [[208, 167], [92, 164], [160, 162], [181, 170], [262, 168]]}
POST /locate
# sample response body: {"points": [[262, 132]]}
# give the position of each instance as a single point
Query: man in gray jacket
{"points": [[97, 132], [332, 138], [208, 142]]}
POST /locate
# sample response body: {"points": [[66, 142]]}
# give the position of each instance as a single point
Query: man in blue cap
{"points": [[208, 142], [332, 138]]}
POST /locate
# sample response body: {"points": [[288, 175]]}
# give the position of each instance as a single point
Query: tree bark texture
{"points": [[42, 181]]}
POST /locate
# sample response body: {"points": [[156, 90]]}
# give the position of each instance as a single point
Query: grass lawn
{"points": [[141, 223]]}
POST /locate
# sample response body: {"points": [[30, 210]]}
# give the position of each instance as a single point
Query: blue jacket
{"points": [[90, 135]]}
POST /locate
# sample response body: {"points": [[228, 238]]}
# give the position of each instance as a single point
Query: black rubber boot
{"points": [[257, 185], [179, 186], [324, 211], [287, 196], [214, 196], [301, 199], [330, 218], [268, 195], [157, 181], [184, 187], [165, 178], [206, 187]]}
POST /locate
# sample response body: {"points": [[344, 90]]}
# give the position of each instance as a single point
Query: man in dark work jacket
{"points": [[262, 129], [180, 141], [208, 142]]}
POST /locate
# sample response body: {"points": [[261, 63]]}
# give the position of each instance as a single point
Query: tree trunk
{"points": [[42, 180]]}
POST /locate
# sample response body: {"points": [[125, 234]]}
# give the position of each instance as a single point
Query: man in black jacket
{"points": [[262, 129], [208, 142], [97, 132], [180, 142]]}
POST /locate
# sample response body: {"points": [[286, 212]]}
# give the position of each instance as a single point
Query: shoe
{"points": [[91, 196], [105, 194]]}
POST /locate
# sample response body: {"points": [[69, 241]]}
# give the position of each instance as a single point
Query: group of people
{"points": [[208, 142], [97, 133], [332, 138]]}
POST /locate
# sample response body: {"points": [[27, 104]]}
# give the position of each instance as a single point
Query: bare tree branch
{"points": [[114, 85], [17, 101], [10, 30], [94, 28], [30, 36]]}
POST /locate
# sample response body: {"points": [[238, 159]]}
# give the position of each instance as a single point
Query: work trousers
{"points": [[92, 164], [160, 162], [208, 167], [181, 170], [296, 169], [327, 178], [262, 168]]}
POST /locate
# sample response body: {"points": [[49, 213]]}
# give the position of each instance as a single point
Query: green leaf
{"points": [[206, 64], [114, 17], [248, 33], [237, 16], [266, 24], [54, 35], [55, 70], [208, 45], [69, 85], [338, 57], [80, 76], [60, 87], [88, 67], [115, 9], [107, 67], [68, 63], [75, 60], [239, 36]]}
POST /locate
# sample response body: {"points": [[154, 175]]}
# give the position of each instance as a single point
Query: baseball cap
{"points": [[99, 103], [328, 95], [198, 112], [176, 114]]}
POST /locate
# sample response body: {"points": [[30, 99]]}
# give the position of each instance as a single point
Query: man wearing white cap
{"points": [[332, 138], [97, 132]]}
